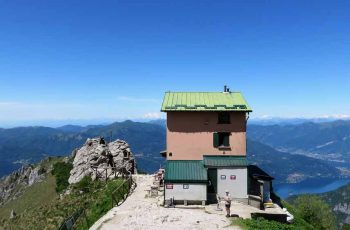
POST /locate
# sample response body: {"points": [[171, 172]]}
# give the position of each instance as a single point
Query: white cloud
{"points": [[29, 111], [156, 115], [17, 113], [135, 99], [336, 116], [8, 104], [330, 116]]}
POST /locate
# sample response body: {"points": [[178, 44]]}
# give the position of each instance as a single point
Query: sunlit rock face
{"points": [[97, 155]]}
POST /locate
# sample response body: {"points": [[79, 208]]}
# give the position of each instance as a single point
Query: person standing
{"points": [[227, 199]]}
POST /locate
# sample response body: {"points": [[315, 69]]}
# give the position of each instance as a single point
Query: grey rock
{"points": [[25, 177], [13, 214], [93, 158]]}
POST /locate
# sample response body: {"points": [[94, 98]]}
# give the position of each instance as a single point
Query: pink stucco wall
{"points": [[190, 134]]}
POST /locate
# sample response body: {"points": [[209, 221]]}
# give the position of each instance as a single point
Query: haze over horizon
{"points": [[108, 61]]}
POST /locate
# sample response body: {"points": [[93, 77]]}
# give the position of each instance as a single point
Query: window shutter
{"points": [[227, 139], [216, 140]]}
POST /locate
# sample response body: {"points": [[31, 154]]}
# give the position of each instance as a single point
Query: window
{"points": [[223, 177], [224, 118], [186, 186], [221, 140]]}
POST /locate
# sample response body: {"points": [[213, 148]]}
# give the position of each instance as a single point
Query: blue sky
{"points": [[99, 60]]}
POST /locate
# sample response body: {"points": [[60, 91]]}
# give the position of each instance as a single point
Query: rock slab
{"points": [[96, 156]]}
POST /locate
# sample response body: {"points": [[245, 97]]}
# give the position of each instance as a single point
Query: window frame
{"points": [[221, 139], [224, 117]]}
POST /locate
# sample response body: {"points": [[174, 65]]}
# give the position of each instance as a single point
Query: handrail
{"points": [[129, 182], [115, 170], [69, 222]]}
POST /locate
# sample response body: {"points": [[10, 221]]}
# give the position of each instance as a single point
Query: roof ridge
{"points": [[202, 92]]}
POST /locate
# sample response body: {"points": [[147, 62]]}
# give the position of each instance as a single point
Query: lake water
{"points": [[309, 186]]}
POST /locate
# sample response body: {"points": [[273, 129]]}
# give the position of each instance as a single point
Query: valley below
{"points": [[298, 161]]}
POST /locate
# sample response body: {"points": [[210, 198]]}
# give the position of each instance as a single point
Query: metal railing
{"points": [[70, 221], [118, 196], [122, 191], [102, 173]]}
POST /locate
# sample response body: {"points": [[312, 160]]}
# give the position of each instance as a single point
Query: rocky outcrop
{"points": [[96, 157], [13, 185], [343, 208]]}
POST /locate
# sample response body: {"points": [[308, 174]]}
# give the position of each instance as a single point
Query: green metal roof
{"points": [[225, 161], [185, 171], [204, 101]]}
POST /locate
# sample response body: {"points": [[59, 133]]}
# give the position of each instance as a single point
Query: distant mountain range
{"points": [[286, 167], [31, 144], [327, 141], [147, 139], [296, 120]]}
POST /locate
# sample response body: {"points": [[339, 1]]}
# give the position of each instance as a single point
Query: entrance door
{"points": [[213, 180]]}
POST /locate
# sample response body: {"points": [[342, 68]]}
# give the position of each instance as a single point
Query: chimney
{"points": [[226, 89]]}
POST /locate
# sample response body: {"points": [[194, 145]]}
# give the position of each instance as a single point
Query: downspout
{"points": [[246, 149], [246, 121]]}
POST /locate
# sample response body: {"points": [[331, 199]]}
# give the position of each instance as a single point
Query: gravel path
{"points": [[138, 212]]}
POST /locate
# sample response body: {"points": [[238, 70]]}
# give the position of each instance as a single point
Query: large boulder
{"points": [[96, 157]]}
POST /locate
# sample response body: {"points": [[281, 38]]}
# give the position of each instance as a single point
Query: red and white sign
{"points": [[169, 186], [233, 177]]}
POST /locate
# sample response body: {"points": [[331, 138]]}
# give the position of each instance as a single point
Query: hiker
{"points": [[110, 159], [102, 141], [227, 199]]}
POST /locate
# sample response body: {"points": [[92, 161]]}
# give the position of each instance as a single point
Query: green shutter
{"points": [[216, 140], [226, 140]]}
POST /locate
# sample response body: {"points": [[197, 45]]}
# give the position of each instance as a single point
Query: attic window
{"points": [[224, 118], [221, 140]]}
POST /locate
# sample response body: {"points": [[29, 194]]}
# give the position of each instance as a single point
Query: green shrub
{"points": [[61, 171], [85, 184], [315, 211], [298, 220], [102, 203], [263, 224]]}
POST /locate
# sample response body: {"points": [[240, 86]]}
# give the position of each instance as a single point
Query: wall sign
{"points": [[169, 186], [233, 177]]}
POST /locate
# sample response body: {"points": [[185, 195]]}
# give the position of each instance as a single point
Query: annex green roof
{"points": [[225, 161], [204, 101], [185, 171]]}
